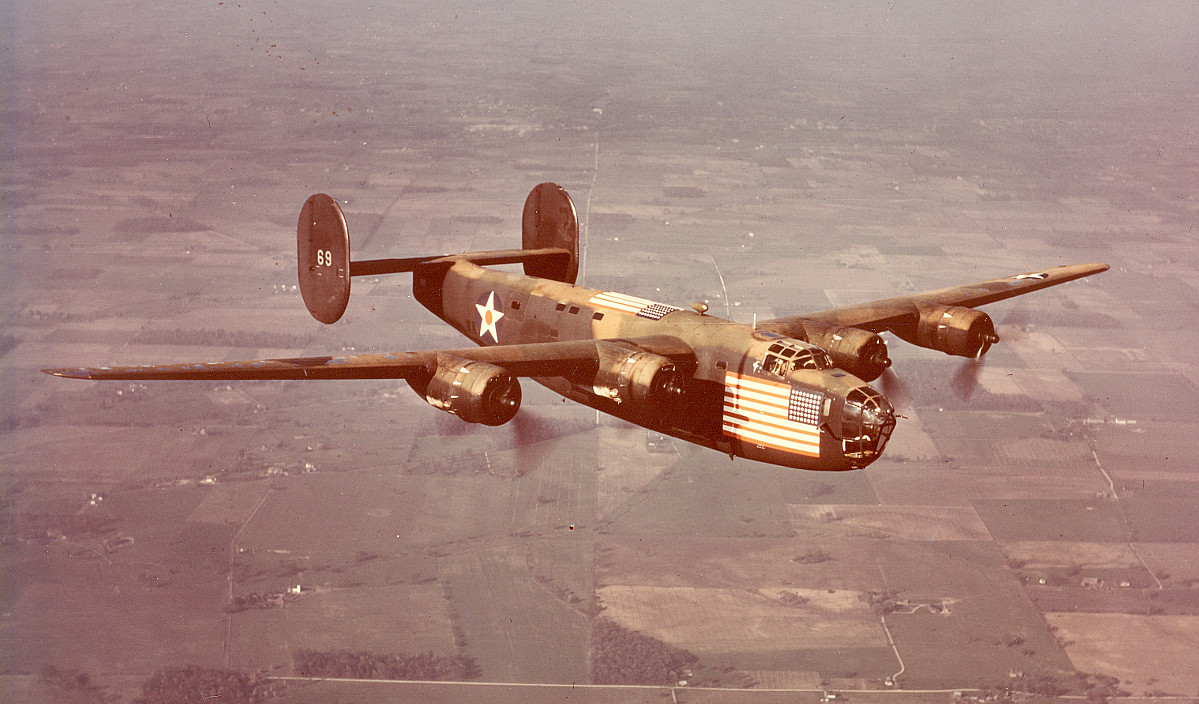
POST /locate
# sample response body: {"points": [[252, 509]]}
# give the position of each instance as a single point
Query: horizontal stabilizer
{"points": [[550, 237], [375, 267]]}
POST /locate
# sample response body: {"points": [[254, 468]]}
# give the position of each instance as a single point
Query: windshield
{"points": [[786, 356]]}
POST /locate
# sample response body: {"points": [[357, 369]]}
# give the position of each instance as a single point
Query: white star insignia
{"points": [[489, 316]]}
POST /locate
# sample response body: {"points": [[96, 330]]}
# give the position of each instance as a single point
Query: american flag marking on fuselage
{"points": [[631, 305], [772, 414]]}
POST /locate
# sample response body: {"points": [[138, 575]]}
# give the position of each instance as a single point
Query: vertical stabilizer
{"points": [[550, 220], [323, 258]]}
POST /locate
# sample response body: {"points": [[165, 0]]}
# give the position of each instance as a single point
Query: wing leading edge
{"points": [[895, 313], [537, 359]]}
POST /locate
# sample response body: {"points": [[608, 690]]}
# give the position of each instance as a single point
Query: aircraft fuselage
{"points": [[747, 393]]}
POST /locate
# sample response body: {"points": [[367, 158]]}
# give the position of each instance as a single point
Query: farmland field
{"points": [[1163, 662], [1030, 523]]}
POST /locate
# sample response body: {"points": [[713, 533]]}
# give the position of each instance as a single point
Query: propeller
{"points": [[966, 378], [894, 389], [527, 429], [534, 434]]}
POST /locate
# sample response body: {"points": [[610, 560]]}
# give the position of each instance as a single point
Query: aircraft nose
{"points": [[867, 419]]}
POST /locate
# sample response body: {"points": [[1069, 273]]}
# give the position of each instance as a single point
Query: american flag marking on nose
{"points": [[772, 414]]}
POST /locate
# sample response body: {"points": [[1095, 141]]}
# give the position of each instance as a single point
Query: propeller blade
{"points": [[527, 431], [894, 389], [966, 378]]}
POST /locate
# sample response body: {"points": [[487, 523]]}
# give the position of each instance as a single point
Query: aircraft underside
{"points": [[703, 421]]}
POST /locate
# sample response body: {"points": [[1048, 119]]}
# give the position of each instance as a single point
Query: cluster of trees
{"points": [[254, 600], [221, 338], [32, 526], [1061, 683], [193, 684], [792, 599], [623, 656], [882, 602], [67, 678], [362, 664], [812, 557]]}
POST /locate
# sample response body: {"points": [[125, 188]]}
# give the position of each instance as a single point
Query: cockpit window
{"points": [[785, 356]]}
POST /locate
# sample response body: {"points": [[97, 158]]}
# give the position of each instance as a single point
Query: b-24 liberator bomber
{"points": [[790, 391]]}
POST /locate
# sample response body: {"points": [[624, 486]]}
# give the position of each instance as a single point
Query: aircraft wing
{"points": [[535, 359], [895, 313]]}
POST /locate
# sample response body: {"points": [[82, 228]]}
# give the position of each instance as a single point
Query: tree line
{"points": [[193, 684], [362, 664]]}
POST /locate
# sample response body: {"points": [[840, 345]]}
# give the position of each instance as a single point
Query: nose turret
{"points": [[867, 419]]}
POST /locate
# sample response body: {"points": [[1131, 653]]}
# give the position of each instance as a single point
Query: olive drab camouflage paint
{"points": [[791, 392]]}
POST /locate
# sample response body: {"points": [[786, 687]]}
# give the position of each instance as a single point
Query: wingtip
{"points": [[1088, 269], [68, 373]]}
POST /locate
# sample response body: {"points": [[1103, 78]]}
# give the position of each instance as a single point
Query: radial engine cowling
{"points": [[476, 392], [964, 332], [859, 352], [643, 379]]}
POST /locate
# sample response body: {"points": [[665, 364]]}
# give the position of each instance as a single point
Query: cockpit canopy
{"points": [[785, 356]]}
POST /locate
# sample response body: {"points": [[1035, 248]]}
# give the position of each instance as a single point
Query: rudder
{"points": [[550, 220], [323, 258]]}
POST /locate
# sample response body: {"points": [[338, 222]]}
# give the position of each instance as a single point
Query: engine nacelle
{"points": [[955, 330], [640, 378], [476, 392], [859, 352]]}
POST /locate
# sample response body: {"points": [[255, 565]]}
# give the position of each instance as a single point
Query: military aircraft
{"points": [[791, 391]]}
